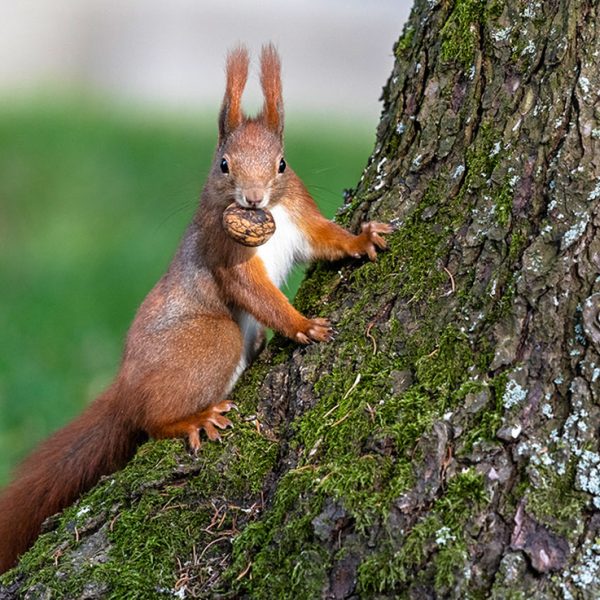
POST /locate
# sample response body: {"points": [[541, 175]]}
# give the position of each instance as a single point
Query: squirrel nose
{"points": [[254, 197]]}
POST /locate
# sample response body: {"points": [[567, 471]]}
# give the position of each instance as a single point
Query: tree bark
{"points": [[446, 443]]}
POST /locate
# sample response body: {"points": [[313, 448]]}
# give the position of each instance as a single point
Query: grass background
{"points": [[93, 201]]}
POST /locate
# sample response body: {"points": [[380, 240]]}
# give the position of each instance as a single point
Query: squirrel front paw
{"points": [[370, 239], [315, 330]]}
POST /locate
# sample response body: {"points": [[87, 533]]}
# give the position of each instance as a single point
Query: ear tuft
{"points": [[270, 80], [231, 115]]}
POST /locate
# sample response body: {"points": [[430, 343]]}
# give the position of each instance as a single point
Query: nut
{"points": [[248, 226]]}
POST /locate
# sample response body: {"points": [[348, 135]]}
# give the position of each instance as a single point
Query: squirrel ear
{"points": [[231, 115], [270, 80]]}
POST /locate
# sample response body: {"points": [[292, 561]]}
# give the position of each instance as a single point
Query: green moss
{"points": [[460, 33], [493, 9], [488, 420], [439, 538], [504, 202], [518, 241], [277, 554], [554, 500], [320, 282], [136, 507], [337, 444], [442, 370], [405, 41], [150, 543]]}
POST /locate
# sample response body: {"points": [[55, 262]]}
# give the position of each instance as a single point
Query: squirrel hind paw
{"points": [[209, 420]]}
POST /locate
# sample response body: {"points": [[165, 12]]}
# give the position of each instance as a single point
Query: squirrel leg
{"points": [[208, 419], [187, 373]]}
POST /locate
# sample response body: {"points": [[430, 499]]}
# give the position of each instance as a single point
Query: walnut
{"points": [[248, 226]]}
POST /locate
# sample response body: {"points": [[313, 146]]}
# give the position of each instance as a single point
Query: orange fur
{"points": [[237, 73], [270, 80], [97, 443], [201, 324], [328, 240]]}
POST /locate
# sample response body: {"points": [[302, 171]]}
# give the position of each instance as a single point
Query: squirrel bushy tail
{"points": [[67, 464]]}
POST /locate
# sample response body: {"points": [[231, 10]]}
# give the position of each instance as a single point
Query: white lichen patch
{"points": [[458, 171], [595, 193], [502, 34], [84, 510], [575, 231], [400, 128], [529, 49], [588, 475], [530, 9], [547, 411], [380, 180], [380, 183], [584, 84], [534, 261], [585, 574], [443, 536], [513, 394]]}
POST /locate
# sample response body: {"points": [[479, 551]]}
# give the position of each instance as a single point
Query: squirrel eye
{"points": [[224, 166], [282, 165]]}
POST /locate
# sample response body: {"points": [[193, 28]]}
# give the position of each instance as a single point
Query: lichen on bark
{"points": [[447, 442]]}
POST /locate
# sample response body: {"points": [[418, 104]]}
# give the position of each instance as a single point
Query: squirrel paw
{"points": [[316, 330], [370, 239], [209, 420]]}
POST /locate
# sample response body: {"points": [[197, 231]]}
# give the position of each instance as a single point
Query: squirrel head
{"points": [[249, 166]]}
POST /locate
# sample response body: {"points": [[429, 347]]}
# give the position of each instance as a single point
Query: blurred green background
{"points": [[93, 201]]}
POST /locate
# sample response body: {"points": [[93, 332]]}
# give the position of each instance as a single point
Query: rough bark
{"points": [[446, 444]]}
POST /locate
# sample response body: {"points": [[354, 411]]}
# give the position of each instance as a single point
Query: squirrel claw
{"points": [[371, 240], [317, 330], [209, 420], [194, 441]]}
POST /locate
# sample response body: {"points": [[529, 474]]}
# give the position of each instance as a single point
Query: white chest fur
{"points": [[286, 247]]}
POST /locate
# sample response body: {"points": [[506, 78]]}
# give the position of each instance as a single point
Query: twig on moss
{"points": [[370, 336], [352, 387], [244, 572], [451, 281]]}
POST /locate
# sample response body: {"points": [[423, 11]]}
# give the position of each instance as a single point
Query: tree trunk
{"points": [[446, 443]]}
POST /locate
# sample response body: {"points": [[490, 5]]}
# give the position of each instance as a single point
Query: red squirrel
{"points": [[202, 323]]}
